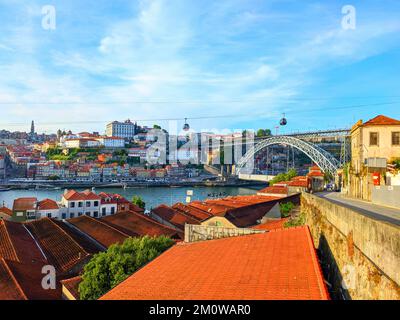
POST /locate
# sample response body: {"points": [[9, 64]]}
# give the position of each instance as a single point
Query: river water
{"points": [[152, 196]]}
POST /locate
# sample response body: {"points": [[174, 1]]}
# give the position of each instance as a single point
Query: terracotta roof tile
{"points": [[382, 120], [47, 204], [23, 204], [16, 244], [271, 225], [103, 233], [6, 211], [60, 248], [276, 265], [136, 224], [175, 217]]}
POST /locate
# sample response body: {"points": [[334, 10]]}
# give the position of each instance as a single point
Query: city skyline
{"points": [[150, 60]]}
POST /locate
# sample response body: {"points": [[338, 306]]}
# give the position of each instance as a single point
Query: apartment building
{"points": [[126, 129], [374, 144]]}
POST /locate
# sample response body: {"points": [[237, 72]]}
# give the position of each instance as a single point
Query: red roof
{"points": [[16, 243], [72, 195], [23, 204], [175, 217], [6, 211], [23, 281], [271, 225], [382, 120], [298, 183], [62, 251], [277, 265], [99, 231], [274, 190], [136, 224], [47, 204]]}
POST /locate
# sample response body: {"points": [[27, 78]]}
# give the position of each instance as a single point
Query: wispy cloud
{"points": [[258, 55]]}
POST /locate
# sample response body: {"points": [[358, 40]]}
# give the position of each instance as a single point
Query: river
{"points": [[152, 196]]}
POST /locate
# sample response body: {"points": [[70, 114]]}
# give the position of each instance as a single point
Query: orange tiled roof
{"points": [[23, 204], [16, 244], [99, 231], [9, 288], [271, 225], [28, 281], [175, 217], [136, 224], [298, 183], [47, 204], [277, 265], [62, 251], [382, 120], [274, 190], [6, 211]]}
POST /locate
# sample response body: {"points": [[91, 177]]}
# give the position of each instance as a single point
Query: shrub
{"points": [[108, 269], [297, 221], [286, 208]]}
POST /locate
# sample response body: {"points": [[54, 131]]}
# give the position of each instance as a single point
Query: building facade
{"points": [[374, 145], [126, 129]]}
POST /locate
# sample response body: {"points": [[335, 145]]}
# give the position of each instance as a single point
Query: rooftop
{"points": [[277, 265], [47, 204], [103, 233], [6, 211], [382, 120], [136, 224], [23, 204], [62, 251]]}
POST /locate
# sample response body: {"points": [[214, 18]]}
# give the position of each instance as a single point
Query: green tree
{"points": [[108, 269], [156, 126], [138, 201]]}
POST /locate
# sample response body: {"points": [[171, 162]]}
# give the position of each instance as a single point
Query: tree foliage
{"points": [[286, 208], [138, 201], [284, 176], [263, 133], [108, 269]]}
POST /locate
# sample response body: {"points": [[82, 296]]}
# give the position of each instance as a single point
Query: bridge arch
{"points": [[327, 162]]}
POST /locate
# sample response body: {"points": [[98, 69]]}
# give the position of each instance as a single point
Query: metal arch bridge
{"points": [[327, 162]]}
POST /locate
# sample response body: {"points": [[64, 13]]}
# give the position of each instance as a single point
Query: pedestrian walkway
{"points": [[382, 213]]}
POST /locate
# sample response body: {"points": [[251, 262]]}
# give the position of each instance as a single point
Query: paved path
{"points": [[368, 209]]}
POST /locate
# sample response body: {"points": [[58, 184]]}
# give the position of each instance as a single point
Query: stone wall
{"points": [[195, 233], [360, 256]]}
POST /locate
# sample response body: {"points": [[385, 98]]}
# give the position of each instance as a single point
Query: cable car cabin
{"points": [[283, 121]]}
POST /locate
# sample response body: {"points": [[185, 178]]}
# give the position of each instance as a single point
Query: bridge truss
{"points": [[327, 162]]}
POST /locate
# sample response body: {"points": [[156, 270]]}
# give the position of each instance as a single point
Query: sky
{"points": [[224, 65]]}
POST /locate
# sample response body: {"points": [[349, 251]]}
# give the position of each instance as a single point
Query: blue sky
{"points": [[154, 59]]}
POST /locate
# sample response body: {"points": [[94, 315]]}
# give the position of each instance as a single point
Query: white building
{"points": [[2, 167], [81, 143], [112, 142], [125, 129]]}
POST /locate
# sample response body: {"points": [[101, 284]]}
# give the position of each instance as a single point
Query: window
{"points": [[395, 138], [64, 216], [87, 203], [49, 215], [72, 204], [88, 214], [79, 214], [96, 203], [373, 139], [96, 214], [112, 210], [72, 215], [80, 204]]}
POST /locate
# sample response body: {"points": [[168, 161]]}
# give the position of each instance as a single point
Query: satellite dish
{"points": [[186, 126], [283, 121]]}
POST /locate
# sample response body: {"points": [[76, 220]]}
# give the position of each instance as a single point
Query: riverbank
{"points": [[131, 184]]}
